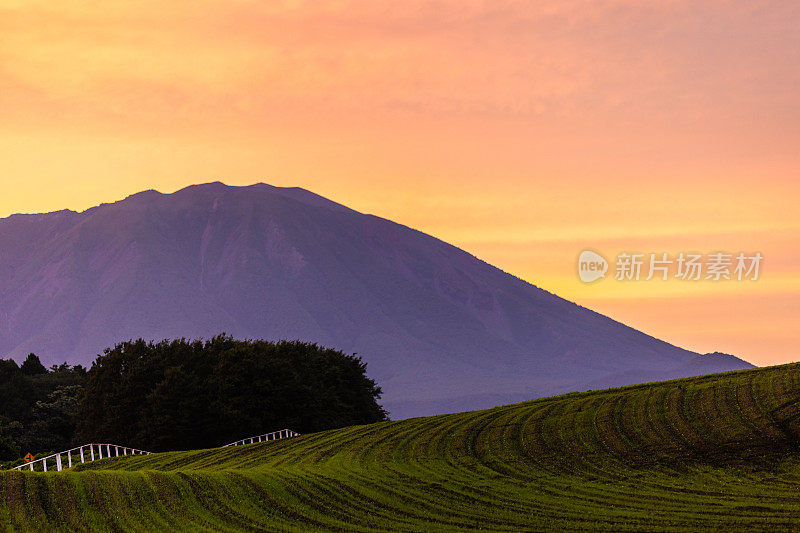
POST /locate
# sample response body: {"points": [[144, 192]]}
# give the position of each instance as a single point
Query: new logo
{"points": [[591, 266]]}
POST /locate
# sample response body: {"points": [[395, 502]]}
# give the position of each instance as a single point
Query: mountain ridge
{"points": [[434, 322]]}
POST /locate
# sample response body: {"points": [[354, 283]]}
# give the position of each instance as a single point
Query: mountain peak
{"points": [[145, 195], [440, 329], [295, 193], [210, 187]]}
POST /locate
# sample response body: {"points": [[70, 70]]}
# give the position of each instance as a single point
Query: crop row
{"points": [[710, 452]]}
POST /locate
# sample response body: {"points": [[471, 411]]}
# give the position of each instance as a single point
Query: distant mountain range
{"points": [[440, 329]]}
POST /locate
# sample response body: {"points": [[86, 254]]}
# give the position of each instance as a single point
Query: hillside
{"points": [[714, 452], [442, 331]]}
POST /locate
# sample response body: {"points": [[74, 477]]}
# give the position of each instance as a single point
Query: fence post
{"points": [[69, 458], [116, 451], [82, 461], [44, 464], [108, 450], [31, 463], [91, 451], [58, 462]]}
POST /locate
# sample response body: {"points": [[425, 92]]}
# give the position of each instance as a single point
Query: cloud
{"points": [[567, 59], [507, 126]]}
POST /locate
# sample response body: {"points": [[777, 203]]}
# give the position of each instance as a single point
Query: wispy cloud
{"points": [[515, 129]]}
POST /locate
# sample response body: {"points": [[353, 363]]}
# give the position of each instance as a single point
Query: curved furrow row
{"points": [[711, 452]]}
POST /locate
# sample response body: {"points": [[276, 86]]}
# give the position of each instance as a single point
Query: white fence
{"points": [[91, 452], [86, 454], [275, 435]]}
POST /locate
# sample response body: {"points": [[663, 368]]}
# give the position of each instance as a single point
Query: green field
{"points": [[719, 452]]}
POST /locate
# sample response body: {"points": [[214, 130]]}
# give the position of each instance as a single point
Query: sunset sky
{"points": [[523, 132]]}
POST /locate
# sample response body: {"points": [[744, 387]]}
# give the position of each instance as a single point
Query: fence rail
{"points": [[275, 435], [91, 452], [86, 454]]}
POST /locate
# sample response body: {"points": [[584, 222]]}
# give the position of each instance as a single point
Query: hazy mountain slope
{"points": [[441, 330]]}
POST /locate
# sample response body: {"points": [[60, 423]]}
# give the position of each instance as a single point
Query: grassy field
{"points": [[715, 452]]}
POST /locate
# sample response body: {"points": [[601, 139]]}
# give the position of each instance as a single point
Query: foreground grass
{"points": [[715, 452]]}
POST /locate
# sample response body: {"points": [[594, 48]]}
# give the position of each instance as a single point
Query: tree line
{"points": [[182, 394]]}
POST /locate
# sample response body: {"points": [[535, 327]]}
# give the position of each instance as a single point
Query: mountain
{"points": [[440, 329]]}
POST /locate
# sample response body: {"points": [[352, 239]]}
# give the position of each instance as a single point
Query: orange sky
{"points": [[523, 132]]}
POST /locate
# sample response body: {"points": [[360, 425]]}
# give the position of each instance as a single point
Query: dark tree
{"points": [[32, 365], [52, 426], [193, 394], [9, 450], [37, 406]]}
